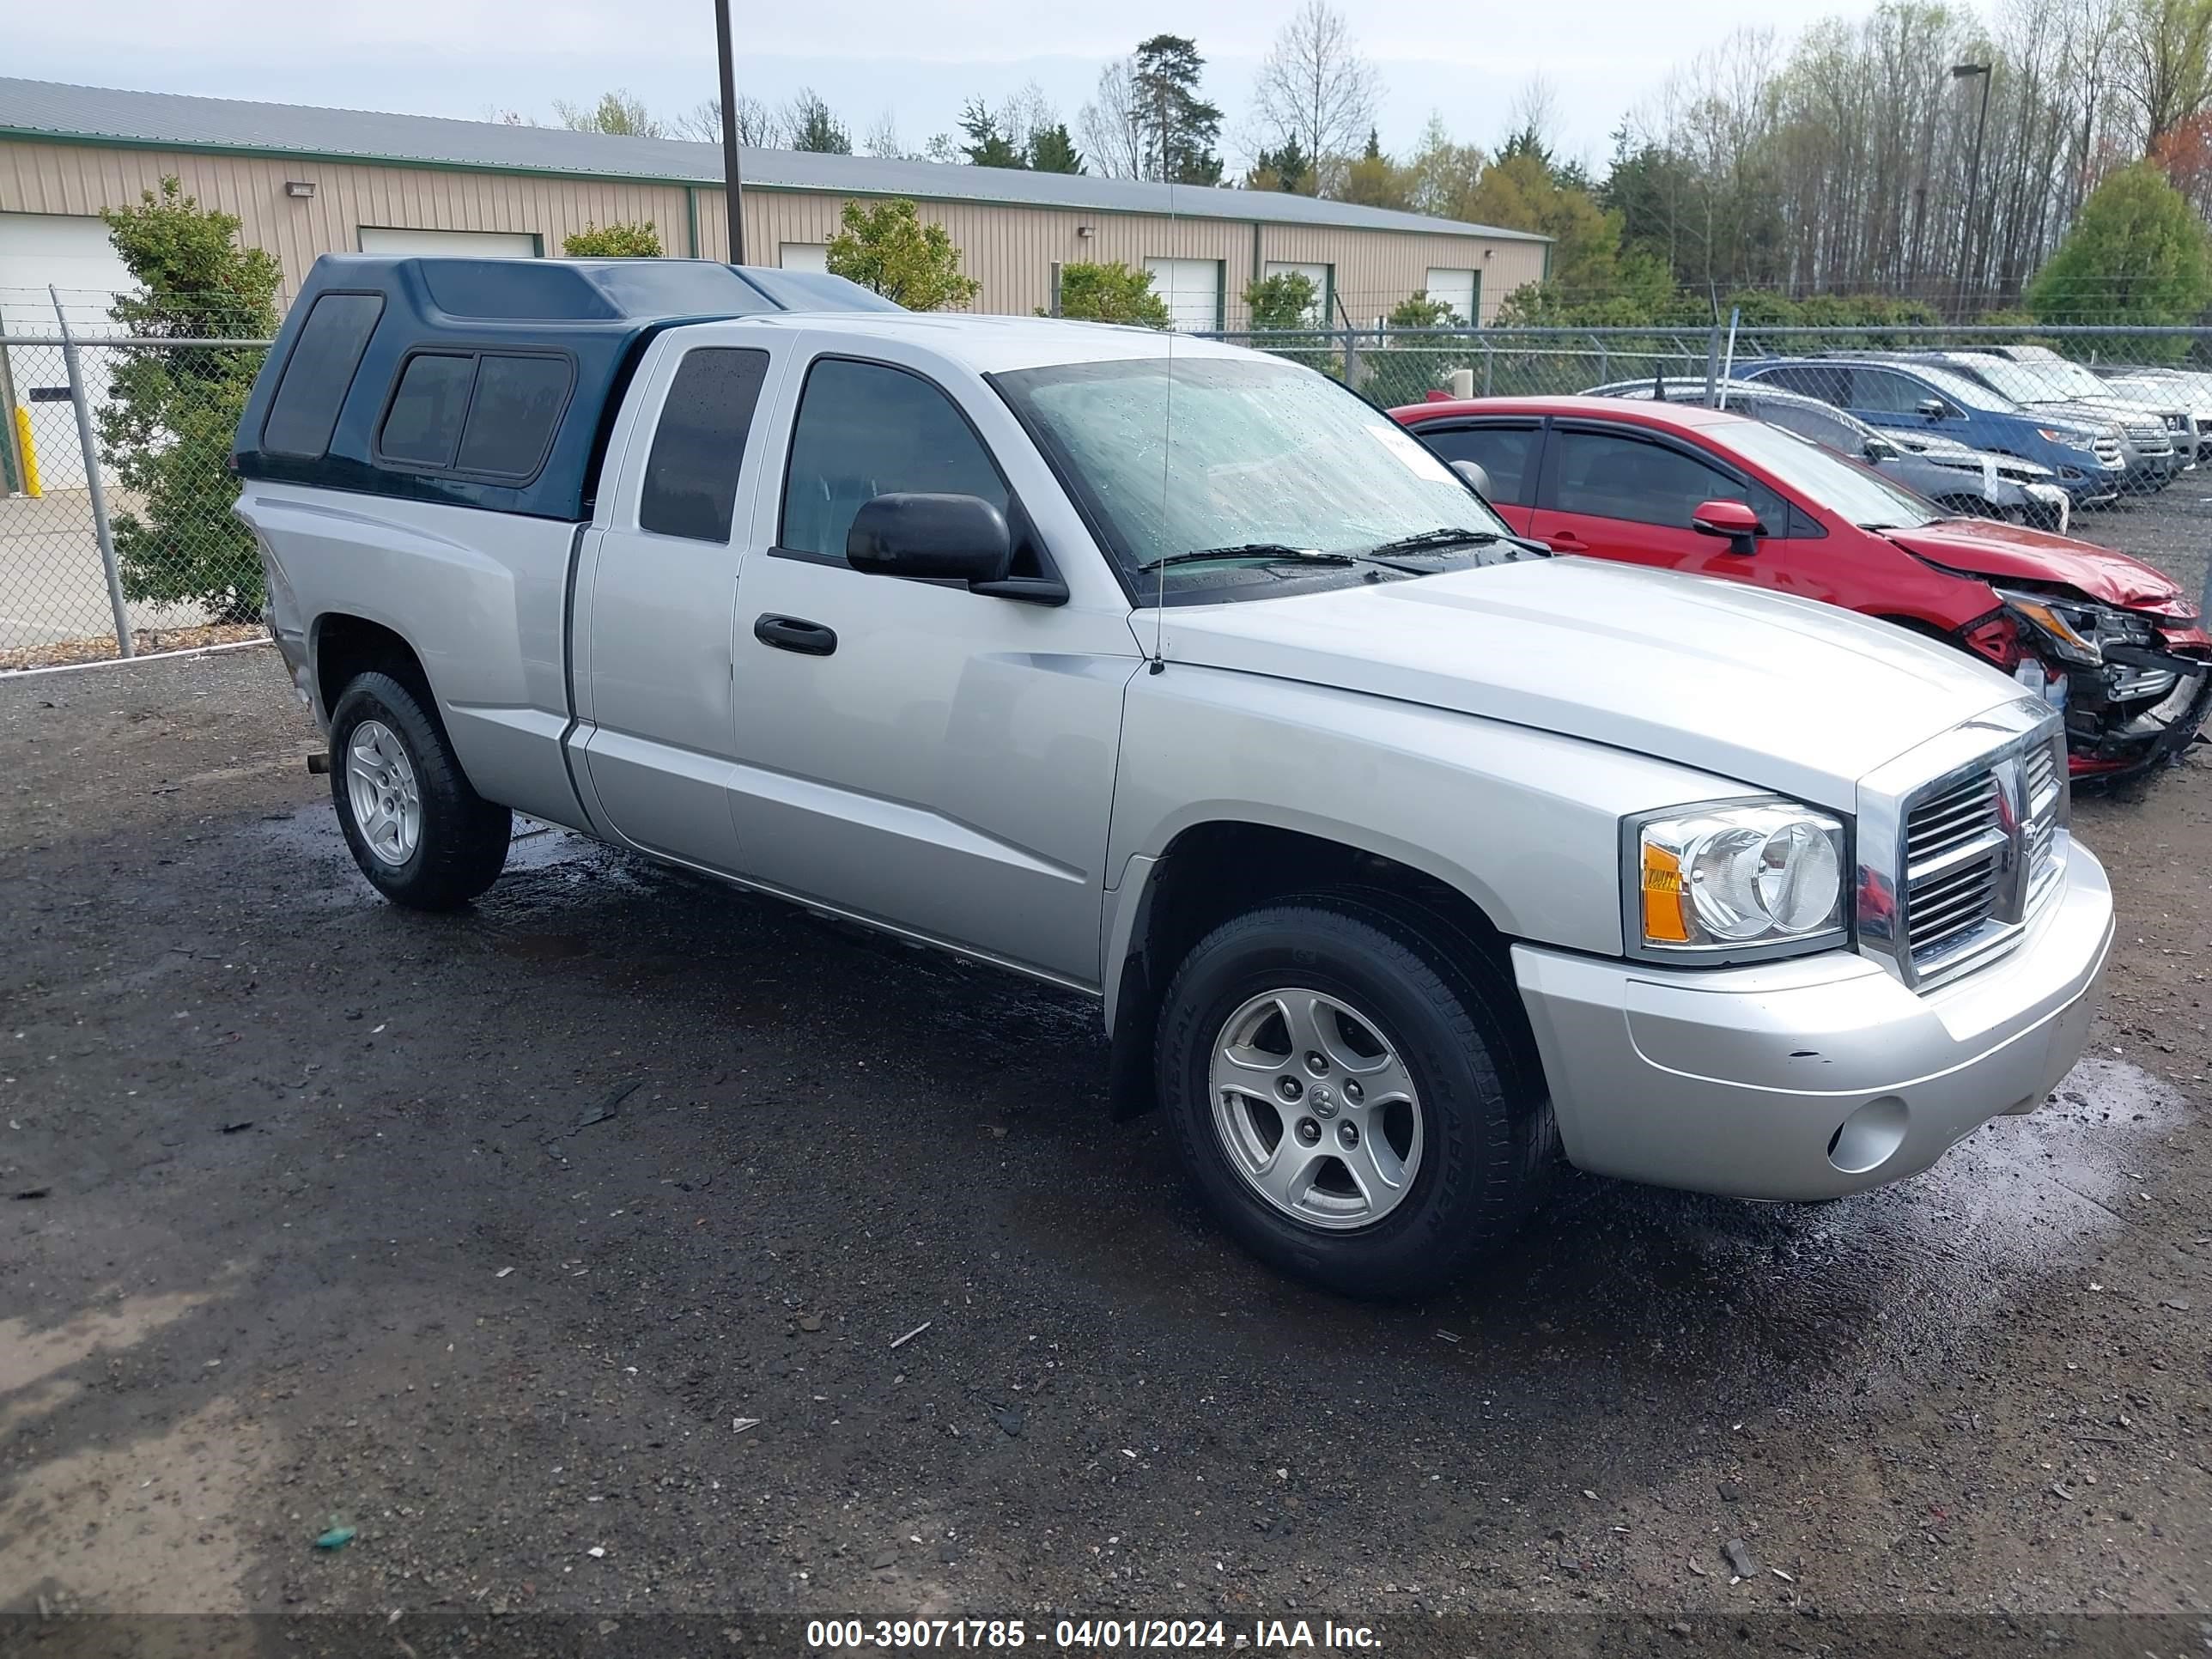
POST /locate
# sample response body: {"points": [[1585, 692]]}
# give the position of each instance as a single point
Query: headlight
{"points": [[1739, 877], [2076, 629]]}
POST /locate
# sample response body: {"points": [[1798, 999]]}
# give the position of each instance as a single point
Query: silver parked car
{"points": [[1395, 853], [1970, 483]]}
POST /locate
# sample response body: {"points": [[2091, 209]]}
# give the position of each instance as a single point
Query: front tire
{"points": [[1351, 1104], [423, 837]]}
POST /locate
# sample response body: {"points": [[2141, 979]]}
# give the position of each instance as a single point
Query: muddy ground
{"points": [[302, 1226]]}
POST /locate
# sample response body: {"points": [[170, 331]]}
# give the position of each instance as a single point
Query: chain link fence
{"points": [[116, 533], [2104, 432]]}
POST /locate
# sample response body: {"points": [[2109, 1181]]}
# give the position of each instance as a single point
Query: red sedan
{"points": [[2116, 644]]}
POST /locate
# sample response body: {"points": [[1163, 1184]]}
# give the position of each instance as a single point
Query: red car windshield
{"points": [[1857, 493]]}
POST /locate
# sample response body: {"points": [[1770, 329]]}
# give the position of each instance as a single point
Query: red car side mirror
{"points": [[1733, 519]]}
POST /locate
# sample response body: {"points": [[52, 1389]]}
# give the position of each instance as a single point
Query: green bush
{"points": [[614, 242], [1110, 293], [167, 426]]}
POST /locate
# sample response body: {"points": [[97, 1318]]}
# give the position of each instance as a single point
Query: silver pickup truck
{"points": [[1399, 855]]}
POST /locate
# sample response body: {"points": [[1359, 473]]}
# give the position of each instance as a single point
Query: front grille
{"points": [[2107, 450], [2151, 439], [1953, 842], [1980, 853]]}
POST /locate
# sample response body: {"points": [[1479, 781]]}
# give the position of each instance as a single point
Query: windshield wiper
{"points": [[1439, 538], [1269, 552]]}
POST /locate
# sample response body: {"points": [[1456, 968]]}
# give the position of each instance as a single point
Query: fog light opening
{"points": [[1865, 1140]]}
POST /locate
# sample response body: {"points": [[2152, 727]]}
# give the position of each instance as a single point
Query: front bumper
{"points": [[1813, 1076]]}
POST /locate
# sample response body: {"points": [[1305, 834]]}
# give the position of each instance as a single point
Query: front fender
{"points": [[1524, 823]]}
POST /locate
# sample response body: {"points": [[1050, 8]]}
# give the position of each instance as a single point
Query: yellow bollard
{"points": [[29, 450]]}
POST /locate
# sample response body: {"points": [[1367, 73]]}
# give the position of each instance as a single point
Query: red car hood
{"points": [[2005, 552]]}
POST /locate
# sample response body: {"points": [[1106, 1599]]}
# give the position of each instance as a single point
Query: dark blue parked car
{"points": [[2089, 459]]}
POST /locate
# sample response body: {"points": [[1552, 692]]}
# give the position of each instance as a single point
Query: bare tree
{"points": [[883, 139], [1113, 123], [758, 127], [1315, 87]]}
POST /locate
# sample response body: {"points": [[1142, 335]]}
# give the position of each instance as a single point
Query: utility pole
{"points": [[1961, 72], [734, 186]]}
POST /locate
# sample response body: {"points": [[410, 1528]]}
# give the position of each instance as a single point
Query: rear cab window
{"points": [[475, 413], [320, 372]]}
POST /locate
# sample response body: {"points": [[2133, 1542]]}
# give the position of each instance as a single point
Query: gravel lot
{"points": [[301, 1225]]}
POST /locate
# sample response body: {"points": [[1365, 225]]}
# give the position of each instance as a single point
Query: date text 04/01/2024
{"points": [[1266, 1636]]}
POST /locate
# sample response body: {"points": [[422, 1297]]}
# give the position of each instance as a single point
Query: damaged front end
{"points": [[2135, 688]]}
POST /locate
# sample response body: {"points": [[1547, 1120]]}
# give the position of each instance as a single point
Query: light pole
{"points": [[733, 188], [1962, 72]]}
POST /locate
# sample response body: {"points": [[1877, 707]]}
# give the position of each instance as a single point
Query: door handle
{"points": [[1564, 539], [809, 639]]}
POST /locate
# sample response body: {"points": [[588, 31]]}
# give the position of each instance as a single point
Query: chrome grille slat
{"points": [[1979, 852]]}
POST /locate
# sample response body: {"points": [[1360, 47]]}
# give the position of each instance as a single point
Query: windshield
{"points": [[1860, 495], [2046, 380], [1254, 453], [1966, 390]]}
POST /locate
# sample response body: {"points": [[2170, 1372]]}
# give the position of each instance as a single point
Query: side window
{"points": [[1507, 453], [691, 476], [866, 429], [518, 403], [305, 411], [491, 413], [423, 428], [1829, 384], [1885, 392], [1609, 475]]}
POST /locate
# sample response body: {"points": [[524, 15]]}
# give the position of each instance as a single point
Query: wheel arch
{"points": [[343, 645], [1214, 869]]}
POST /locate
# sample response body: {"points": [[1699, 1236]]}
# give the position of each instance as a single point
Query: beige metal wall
{"points": [[1011, 250]]}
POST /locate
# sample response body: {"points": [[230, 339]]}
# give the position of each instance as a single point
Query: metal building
{"points": [[305, 180]]}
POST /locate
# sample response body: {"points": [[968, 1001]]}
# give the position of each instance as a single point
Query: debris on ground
{"points": [[336, 1539], [234, 1128], [810, 1322], [1740, 1558], [144, 642], [1731, 1492], [739, 1424], [900, 1342], [606, 1108], [30, 1193], [1009, 1418]]}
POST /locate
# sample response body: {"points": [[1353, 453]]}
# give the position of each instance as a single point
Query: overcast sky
{"points": [[917, 61]]}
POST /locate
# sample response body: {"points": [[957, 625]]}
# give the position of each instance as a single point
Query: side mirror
{"points": [[1934, 409], [931, 538], [1880, 449], [1477, 479], [1733, 519]]}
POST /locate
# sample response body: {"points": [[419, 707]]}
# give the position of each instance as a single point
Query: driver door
{"points": [[929, 758]]}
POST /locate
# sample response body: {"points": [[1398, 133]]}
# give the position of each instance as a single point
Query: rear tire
{"points": [[423, 837], [1312, 1051]]}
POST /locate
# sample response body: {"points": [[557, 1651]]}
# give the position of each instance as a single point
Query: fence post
{"points": [[1604, 359], [99, 526], [1486, 368], [1713, 364], [1351, 357]]}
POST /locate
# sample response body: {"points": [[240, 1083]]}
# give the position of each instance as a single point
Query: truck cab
{"points": [[1399, 855]]}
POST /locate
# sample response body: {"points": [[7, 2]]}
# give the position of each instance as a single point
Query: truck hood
{"points": [[1780, 693], [2007, 553]]}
